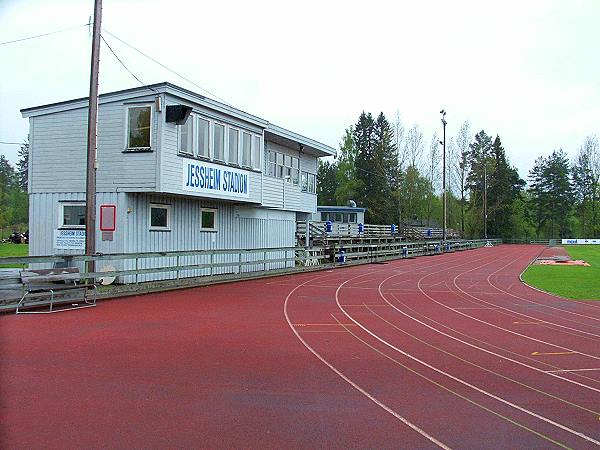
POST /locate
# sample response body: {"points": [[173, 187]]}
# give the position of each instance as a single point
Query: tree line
{"points": [[390, 170], [14, 201]]}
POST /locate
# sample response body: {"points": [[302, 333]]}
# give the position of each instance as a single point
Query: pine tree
{"points": [[504, 187], [326, 183], [348, 185], [480, 169]]}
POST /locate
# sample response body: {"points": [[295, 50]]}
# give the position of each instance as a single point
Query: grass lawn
{"points": [[581, 283], [13, 250]]}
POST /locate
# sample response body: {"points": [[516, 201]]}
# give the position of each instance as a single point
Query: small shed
{"points": [[340, 214]]}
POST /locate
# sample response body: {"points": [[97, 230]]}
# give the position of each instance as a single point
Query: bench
{"points": [[43, 283]]}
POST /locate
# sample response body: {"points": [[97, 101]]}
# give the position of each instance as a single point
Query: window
{"points": [[308, 182], [139, 119], [234, 137], [203, 138], [72, 215], [272, 164], [246, 149], [159, 217], [284, 166], [352, 218], [219, 142], [186, 136], [208, 219], [256, 152]]}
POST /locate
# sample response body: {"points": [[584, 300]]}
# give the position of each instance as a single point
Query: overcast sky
{"points": [[526, 70]]}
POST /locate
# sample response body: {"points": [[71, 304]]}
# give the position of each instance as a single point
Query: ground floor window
{"points": [[72, 215], [208, 219], [160, 217]]}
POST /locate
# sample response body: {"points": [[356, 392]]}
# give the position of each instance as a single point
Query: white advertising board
{"points": [[207, 178], [581, 241], [69, 239]]}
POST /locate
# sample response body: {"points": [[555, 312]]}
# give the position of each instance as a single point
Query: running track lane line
{"points": [[499, 327], [542, 304], [438, 384], [541, 321], [471, 363], [447, 389], [350, 382], [472, 345], [458, 380]]}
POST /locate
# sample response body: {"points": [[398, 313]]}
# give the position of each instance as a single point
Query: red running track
{"points": [[446, 351]]}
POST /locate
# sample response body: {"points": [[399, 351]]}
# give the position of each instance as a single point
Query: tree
{"points": [[504, 188], [459, 166], [364, 164], [551, 195], [386, 154], [479, 171], [433, 174], [326, 183], [348, 185], [586, 183], [13, 201], [23, 165]]}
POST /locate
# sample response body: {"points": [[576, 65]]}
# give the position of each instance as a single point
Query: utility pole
{"points": [[90, 192], [443, 113]]}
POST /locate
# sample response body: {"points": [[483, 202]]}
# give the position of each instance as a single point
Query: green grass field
{"points": [[13, 250], [581, 283]]}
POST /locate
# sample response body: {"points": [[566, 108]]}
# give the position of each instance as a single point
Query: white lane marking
{"points": [[463, 382], [353, 384], [572, 370], [514, 312], [473, 345]]}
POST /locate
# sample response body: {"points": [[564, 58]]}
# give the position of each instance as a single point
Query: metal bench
{"points": [[41, 283]]}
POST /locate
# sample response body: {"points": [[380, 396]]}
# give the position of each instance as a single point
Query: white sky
{"points": [[527, 70]]}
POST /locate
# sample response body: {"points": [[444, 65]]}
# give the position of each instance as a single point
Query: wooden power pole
{"points": [[90, 193]]}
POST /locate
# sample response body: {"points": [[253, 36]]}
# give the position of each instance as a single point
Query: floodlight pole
{"points": [[485, 198], [443, 113], [90, 192]]}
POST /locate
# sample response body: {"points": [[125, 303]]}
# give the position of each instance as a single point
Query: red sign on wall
{"points": [[108, 217]]}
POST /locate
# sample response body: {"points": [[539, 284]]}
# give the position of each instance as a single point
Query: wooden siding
{"points": [[59, 152], [236, 228]]}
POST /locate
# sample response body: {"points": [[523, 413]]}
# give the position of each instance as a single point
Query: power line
{"points": [[45, 34], [167, 68], [123, 64]]}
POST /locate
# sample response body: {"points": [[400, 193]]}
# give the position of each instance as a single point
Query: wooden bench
{"points": [[40, 284]]}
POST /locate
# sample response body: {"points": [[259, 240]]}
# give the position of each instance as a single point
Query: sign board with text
{"points": [[69, 240]]}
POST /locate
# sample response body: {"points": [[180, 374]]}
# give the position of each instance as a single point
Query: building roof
{"points": [[326, 208], [272, 132]]}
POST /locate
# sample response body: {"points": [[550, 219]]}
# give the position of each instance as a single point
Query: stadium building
{"points": [[175, 171]]}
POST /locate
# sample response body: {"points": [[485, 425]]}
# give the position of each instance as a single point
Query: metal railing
{"points": [[227, 264]]}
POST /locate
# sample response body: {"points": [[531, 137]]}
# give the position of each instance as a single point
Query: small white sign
{"points": [[69, 239], [581, 241], [207, 178]]}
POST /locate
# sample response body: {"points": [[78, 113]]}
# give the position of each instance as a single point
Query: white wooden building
{"points": [[223, 179]]}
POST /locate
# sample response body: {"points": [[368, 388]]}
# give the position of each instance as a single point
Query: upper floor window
{"points": [[246, 149], [256, 153], [284, 166], [219, 142], [186, 136], [308, 182], [139, 127], [203, 138], [234, 138]]}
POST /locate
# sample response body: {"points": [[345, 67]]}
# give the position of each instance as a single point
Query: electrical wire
{"points": [[45, 34], [123, 64], [165, 67]]}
